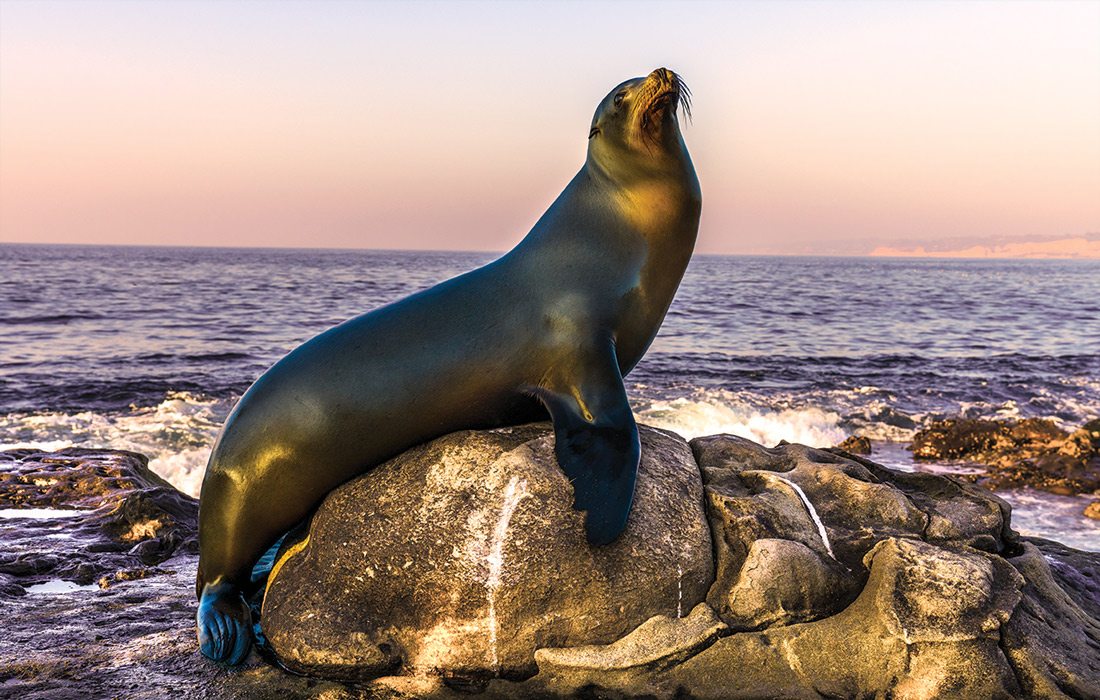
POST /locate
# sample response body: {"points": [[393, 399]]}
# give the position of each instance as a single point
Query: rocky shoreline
{"points": [[745, 572]]}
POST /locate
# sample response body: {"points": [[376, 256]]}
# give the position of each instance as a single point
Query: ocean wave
{"points": [[215, 357], [819, 418], [717, 412], [48, 319], [175, 434], [112, 386]]}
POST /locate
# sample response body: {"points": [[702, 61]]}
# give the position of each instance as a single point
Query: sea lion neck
{"points": [[658, 203]]}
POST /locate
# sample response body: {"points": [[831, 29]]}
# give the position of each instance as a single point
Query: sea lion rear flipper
{"points": [[223, 623], [596, 440]]}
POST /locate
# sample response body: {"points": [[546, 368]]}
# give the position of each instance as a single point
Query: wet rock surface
{"points": [[831, 577], [128, 519], [121, 551], [1032, 452]]}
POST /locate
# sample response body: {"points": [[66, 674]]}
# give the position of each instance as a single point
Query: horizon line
{"points": [[933, 255]]}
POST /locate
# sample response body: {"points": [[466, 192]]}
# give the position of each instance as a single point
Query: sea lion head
{"points": [[635, 128]]}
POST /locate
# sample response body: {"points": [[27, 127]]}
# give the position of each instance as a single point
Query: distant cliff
{"points": [[1080, 247]]}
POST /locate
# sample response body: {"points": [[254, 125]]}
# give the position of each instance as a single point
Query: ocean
{"points": [[147, 349]]}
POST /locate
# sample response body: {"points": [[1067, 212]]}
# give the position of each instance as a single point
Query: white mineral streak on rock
{"points": [[517, 489], [813, 514], [679, 590]]}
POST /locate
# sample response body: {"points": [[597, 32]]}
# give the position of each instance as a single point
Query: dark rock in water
{"points": [[133, 635], [134, 640], [465, 556], [833, 577], [9, 586], [856, 444], [961, 438], [1032, 452]]}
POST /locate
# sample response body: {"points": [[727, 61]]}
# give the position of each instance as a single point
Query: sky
{"points": [[819, 127]]}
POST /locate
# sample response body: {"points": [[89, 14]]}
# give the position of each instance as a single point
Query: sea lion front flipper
{"points": [[596, 440]]}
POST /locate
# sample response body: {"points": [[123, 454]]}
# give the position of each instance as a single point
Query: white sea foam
{"points": [[40, 513], [58, 586], [176, 434], [718, 412]]}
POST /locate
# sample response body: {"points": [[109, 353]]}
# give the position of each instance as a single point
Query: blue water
{"points": [[148, 348]]}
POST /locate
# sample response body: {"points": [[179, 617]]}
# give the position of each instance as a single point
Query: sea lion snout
{"points": [[662, 89], [664, 76], [663, 82]]}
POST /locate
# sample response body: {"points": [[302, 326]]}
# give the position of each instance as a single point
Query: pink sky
{"points": [[819, 127]]}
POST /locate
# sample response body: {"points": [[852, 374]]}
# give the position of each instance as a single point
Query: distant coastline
{"points": [[1062, 248]]}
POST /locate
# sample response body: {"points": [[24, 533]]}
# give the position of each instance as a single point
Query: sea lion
{"points": [[550, 327]]}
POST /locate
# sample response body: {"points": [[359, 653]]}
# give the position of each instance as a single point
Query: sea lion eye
{"points": [[619, 98]]}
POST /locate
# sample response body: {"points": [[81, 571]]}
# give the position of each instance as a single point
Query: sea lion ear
{"points": [[593, 131], [595, 440]]}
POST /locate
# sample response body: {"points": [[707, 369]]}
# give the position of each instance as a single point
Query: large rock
{"points": [[833, 577], [464, 556]]}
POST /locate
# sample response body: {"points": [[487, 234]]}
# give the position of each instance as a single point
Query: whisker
{"points": [[685, 95]]}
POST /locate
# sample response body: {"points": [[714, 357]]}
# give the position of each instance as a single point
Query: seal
{"points": [[549, 328]]}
